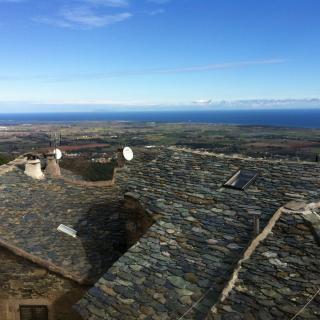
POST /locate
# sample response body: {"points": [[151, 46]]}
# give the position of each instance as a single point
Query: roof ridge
{"points": [[290, 207], [238, 156], [10, 166]]}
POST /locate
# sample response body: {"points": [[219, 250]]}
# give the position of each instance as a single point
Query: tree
{"points": [[3, 159]]}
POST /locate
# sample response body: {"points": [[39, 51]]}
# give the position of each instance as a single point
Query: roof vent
{"points": [[123, 155], [67, 230]]}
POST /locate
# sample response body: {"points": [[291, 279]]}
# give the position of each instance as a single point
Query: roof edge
{"points": [[44, 263], [238, 156], [292, 206]]}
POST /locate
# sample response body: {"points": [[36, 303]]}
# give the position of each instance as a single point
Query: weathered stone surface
{"points": [[21, 279], [199, 233], [31, 211], [283, 284], [295, 206], [203, 228]]}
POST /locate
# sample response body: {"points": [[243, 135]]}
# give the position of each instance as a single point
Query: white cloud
{"points": [[105, 105], [108, 3], [89, 20], [53, 21], [83, 17], [229, 65], [269, 103], [86, 14], [202, 101], [155, 12]]}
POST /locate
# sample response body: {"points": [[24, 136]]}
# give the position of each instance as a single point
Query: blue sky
{"points": [[92, 54]]}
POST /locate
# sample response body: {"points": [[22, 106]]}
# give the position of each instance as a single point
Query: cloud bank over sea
{"points": [[141, 106]]}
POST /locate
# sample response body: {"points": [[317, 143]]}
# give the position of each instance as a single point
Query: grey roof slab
{"points": [[280, 278], [179, 267], [31, 210]]}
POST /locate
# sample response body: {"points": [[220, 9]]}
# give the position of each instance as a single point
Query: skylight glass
{"points": [[241, 179]]}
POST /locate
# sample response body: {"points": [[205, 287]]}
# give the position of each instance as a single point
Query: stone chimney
{"points": [[53, 168], [120, 158], [33, 167]]}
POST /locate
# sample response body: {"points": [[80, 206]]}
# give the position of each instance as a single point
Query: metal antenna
{"points": [[55, 139]]}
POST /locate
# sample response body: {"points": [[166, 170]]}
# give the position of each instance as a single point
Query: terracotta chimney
{"points": [[33, 167], [53, 168]]}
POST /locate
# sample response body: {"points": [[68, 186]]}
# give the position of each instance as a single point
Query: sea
{"points": [[303, 118]]}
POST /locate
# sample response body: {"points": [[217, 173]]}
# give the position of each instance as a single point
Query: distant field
{"points": [[94, 138], [84, 146]]}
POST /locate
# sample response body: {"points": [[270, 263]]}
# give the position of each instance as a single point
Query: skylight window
{"points": [[67, 230], [241, 180]]}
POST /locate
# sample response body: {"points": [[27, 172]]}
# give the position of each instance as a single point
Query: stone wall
{"points": [[138, 221], [25, 283], [76, 180]]}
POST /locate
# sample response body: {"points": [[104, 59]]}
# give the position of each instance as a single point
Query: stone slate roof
{"points": [[31, 211], [189, 253], [281, 276]]}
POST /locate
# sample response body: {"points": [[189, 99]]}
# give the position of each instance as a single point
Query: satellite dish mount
{"points": [[123, 155], [57, 153]]}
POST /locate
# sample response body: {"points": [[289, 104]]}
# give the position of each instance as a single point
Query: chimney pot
{"points": [[53, 168], [33, 169]]}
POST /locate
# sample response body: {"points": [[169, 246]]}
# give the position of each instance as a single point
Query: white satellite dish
{"points": [[127, 153], [57, 153]]}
